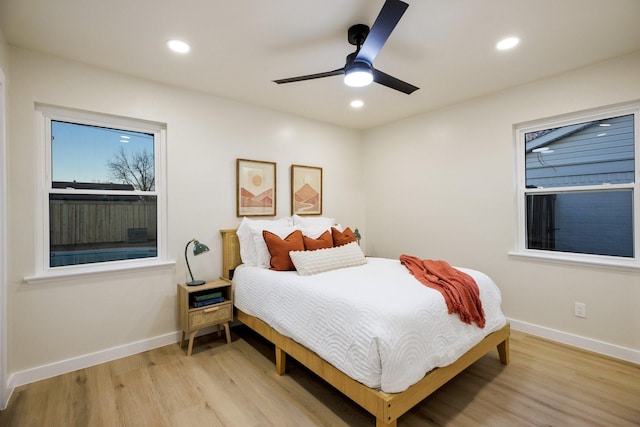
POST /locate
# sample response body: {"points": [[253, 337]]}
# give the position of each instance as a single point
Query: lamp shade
{"points": [[198, 248]]}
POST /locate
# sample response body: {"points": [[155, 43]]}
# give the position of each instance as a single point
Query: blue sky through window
{"points": [[80, 152]]}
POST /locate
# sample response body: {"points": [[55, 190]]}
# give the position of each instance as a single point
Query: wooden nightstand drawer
{"points": [[210, 316]]}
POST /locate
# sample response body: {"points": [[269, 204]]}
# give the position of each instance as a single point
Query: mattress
{"points": [[374, 322]]}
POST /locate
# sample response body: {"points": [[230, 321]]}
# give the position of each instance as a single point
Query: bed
{"points": [[386, 406]]}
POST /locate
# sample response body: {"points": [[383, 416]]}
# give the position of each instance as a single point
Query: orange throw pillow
{"points": [[342, 238], [279, 249], [324, 241]]}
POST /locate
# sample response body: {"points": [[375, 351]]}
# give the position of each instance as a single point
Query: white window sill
{"points": [[586, 260], [91, 271]]}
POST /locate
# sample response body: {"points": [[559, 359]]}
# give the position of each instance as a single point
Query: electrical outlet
{"points": [[580, 309]]}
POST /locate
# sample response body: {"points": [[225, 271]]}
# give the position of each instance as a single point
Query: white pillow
{"points": [[247, 246], [263, 257], [321, 260], [314, 232], [313, 221]]}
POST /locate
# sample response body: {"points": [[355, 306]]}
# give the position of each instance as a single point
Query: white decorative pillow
{"points": [[321, 260], [314, 221], [263, 257], [247, 246]]}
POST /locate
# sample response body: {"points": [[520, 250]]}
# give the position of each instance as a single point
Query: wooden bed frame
{"points": [[386, 407]]}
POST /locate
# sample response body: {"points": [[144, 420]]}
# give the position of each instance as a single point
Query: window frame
{"points": [[521, 192], [45, 115]]}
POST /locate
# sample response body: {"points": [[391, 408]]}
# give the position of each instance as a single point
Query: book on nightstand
{"points": [[211, 295], [197, 304]]}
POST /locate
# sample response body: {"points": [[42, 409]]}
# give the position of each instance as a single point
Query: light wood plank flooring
{"points": [[546, 384]]}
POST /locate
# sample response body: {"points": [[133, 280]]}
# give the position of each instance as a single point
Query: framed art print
{"points": [[306, 190], [255, 188]]}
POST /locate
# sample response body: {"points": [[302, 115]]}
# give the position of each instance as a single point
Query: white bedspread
{"points": [[375, 322]]}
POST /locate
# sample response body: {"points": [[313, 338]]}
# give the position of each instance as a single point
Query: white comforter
{"points": [[375, 322]]}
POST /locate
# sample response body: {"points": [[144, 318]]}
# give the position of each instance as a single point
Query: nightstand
{"points": [[194, 317]]}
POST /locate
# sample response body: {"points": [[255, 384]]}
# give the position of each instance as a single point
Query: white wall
{"points": [[55, 323], [4, 65], [442, 185]]}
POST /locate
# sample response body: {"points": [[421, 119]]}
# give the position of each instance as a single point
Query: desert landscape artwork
{"points": [[306, 190], [256, 187]]}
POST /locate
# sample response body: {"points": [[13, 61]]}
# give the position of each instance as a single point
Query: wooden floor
{"points": [[546, 384]]}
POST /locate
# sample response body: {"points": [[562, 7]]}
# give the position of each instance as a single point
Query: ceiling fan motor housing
{"points": [[357, 33]]}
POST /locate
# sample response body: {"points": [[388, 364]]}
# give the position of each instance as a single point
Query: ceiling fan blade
{"points": [[386, 21], [337, 72], [393, 83]]}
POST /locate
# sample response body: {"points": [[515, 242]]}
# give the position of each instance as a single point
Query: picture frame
{"points": [[255, 188], [306, 190]]}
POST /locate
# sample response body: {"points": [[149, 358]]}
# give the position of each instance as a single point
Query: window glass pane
{"points": [[593, 222], [97, 228], [590, 153], [91, 157]]}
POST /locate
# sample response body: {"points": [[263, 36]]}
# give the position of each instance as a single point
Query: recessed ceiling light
{"points": [[356, 103], [178, 46], [507, 43]]}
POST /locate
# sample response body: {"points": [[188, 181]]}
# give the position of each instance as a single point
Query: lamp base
{"points": [[195, 283]]}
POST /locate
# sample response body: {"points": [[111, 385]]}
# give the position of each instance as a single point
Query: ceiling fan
{"points": [[358, 70]]}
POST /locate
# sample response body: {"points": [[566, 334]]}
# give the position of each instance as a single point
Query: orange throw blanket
{"points": [[459, 290]]}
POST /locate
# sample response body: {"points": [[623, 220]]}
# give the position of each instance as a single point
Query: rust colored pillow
{"points": [[323, 242], [279, 249], [342, 238]]}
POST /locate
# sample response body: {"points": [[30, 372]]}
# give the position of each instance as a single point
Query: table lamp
{"points": [[198, 248]]}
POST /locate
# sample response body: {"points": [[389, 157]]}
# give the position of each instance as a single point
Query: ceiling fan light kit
{"points": [[358, 70], [358, 76]]}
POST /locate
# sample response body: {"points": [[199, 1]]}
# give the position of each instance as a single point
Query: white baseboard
{"points": [[601, 347], [69, 365], [6, 395]]}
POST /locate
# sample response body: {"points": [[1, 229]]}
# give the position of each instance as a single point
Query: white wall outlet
{"points": [[580, 309]]}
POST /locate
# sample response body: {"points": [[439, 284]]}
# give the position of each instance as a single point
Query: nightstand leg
{"points": [[182, 339], [191, 337], [226, 330]]}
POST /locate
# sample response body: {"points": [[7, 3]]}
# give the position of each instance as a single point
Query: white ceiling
{"points": [[445, 47]]}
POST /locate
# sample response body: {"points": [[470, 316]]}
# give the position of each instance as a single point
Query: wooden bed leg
{"points": [[381, 423], [281, 361], [503, 352]]}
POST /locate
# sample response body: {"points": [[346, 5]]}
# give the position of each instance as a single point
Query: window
{"points": [[577, 189], [103, 198]]}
